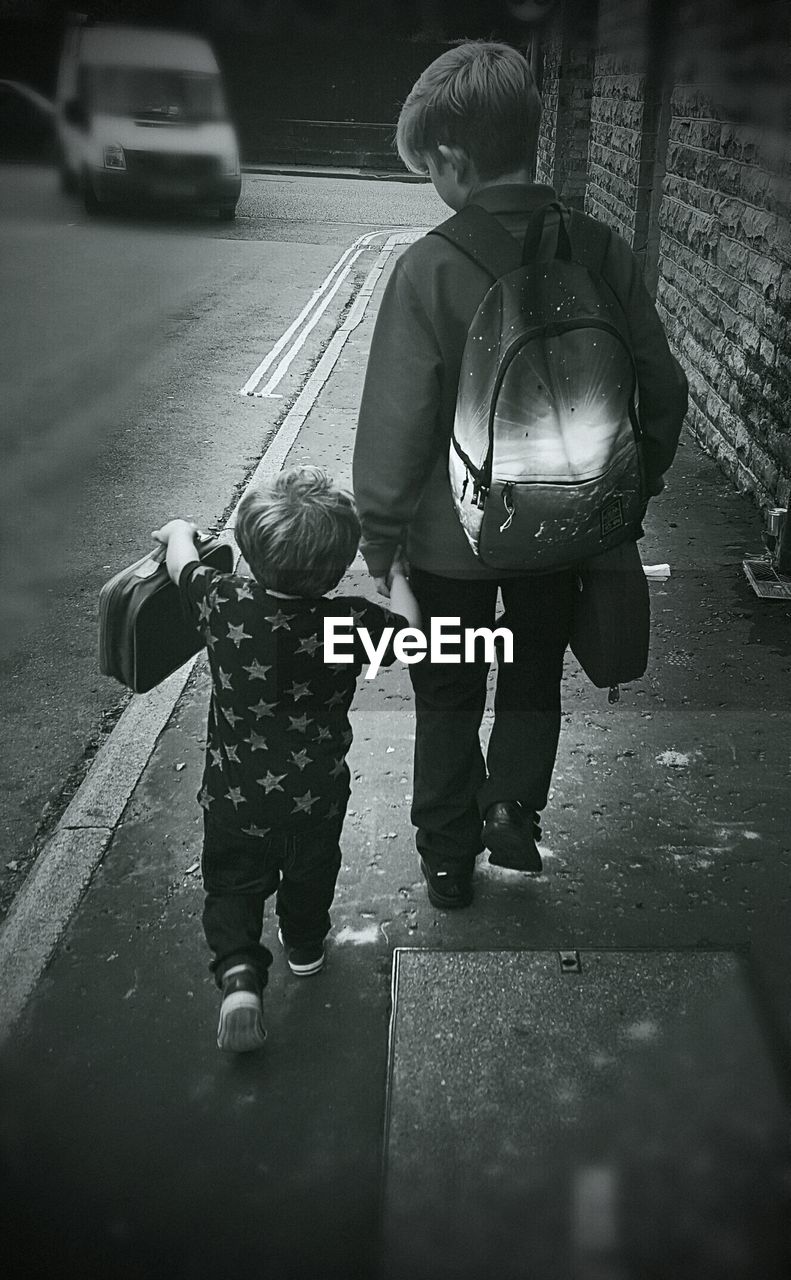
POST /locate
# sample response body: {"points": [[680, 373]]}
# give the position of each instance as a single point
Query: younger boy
{"points": [[275, 782]]}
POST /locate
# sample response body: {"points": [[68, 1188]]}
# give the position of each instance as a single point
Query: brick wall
{"points": [[566, 89], [725, 288], [704, 198], [626, 149]]}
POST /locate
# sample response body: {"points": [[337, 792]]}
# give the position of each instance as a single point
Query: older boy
{"points": [[471, 123], [275, 782]]}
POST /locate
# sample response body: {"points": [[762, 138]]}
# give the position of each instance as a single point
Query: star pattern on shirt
{"points": [[276, 694], [309, 644], [271, 782], [234, 794], [237, 633], [299, 690], [304, 804], [256, 670], [261, 708], [280, 620]]}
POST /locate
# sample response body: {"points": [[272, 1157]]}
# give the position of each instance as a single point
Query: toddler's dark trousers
{"points": [[453, 785], [240, 872]]}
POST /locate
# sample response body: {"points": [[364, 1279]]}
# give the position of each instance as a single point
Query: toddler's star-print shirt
{"points": [[278, 727]]}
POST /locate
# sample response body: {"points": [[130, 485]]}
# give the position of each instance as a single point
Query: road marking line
{"points": [[276, 454], [298, 343], [253, 381], [63, 869]]}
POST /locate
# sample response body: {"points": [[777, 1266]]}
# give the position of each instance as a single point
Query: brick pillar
{"points": [[629, 122], [566, 87]]}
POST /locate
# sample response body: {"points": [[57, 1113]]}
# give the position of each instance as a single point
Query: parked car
{"points": [[141, 115]]}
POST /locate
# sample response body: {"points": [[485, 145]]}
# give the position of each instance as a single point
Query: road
{"points": [[126, 343]]}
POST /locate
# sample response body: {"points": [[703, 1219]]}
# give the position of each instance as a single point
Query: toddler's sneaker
{"points": [[241, 1026], [303, 961]]}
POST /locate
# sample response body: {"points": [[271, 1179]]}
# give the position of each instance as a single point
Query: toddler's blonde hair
{"points": [[299, 533]]}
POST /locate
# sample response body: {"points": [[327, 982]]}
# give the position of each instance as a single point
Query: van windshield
{"points": [[155, 94]]}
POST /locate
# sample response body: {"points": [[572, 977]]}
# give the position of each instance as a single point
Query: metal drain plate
{"points": [[766, 582]]}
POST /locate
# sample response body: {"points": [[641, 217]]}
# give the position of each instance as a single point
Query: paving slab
{"points": [[587, 1113]]}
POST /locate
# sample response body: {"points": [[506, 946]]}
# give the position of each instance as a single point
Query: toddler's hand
{"points": [[163, 535]]}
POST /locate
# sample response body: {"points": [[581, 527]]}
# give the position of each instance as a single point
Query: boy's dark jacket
{"points": [[406, 416]]}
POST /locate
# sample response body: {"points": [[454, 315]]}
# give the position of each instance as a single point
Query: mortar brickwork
{"points": [[704, 201], [566, 92], [725, 289]]}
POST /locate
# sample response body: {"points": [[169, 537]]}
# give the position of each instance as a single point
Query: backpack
{"points": [[545, 461]]}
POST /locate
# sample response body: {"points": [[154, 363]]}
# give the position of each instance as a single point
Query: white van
{"points": [[141, 115]]}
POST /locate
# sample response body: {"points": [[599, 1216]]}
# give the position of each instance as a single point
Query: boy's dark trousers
{"points": [[451, 789], [241, 871]]}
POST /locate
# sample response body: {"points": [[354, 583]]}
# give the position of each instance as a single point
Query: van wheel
{"points": [[226, 212], [89, 200], [67, 180]]}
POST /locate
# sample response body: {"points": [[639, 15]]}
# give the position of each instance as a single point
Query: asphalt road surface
{"points": [[127, 340]]}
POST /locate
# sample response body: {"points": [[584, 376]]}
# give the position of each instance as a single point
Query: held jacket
{"points": [[408, 403]]}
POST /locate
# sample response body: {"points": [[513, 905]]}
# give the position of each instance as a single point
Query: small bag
{"points": [[611, 620], [144, 632]]}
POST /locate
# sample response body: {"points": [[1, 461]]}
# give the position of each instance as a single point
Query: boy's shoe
{"points": [[241, 1026], [448, 887], [510, 833], [303, 961]]}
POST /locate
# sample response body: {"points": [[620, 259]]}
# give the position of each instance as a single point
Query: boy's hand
{"points": [[398, 568], [166, 532]]}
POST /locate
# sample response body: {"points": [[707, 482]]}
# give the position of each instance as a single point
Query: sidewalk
{"points": [[134, 1149]]}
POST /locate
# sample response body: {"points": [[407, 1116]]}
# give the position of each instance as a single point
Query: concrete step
{"points": [[600, 1115]]}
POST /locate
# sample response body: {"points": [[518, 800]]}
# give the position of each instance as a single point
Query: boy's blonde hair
{"points": [[479, 95], [299, 533]]}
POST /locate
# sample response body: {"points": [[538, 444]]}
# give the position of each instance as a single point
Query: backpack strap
{"points": [[483, 238], [590, 241]]}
